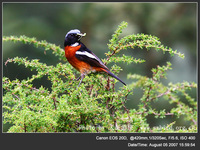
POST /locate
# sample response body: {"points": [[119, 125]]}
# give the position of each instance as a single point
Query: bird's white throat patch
{"points": [[75, 44]]}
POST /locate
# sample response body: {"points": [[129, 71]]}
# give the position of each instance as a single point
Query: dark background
{"points": [[174, 23]]}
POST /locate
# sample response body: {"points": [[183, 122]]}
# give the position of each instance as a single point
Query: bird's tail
{"points": [[111, 74]]}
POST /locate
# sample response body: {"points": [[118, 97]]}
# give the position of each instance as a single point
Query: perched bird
{"points": [[81, 58]]}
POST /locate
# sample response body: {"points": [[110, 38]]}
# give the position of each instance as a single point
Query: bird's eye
{"points": [[72, 34]]}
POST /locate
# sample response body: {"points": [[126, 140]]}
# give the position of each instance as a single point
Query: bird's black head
{"points": [[72, 37]]}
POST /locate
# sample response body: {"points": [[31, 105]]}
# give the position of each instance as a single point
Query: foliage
{"points": [[96, 106]]}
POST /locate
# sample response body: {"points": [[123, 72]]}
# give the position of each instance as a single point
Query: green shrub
{"points": [[96, 106]]}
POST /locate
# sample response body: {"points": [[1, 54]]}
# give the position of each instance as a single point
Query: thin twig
{"points": [[32, 88], [54, 102], [129, 118]]}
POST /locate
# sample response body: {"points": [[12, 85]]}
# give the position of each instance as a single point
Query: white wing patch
{"points": [[86, 54]]}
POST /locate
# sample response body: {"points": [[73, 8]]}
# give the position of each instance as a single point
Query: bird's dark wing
{"points": [[84, 54]]}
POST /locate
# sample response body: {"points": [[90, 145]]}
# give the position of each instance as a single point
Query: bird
{"points": [[81, 58]]}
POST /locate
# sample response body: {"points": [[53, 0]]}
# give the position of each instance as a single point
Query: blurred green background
{"points": [[174, 23]]}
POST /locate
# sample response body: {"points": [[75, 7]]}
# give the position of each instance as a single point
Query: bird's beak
{"points": [[81, 35]]}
